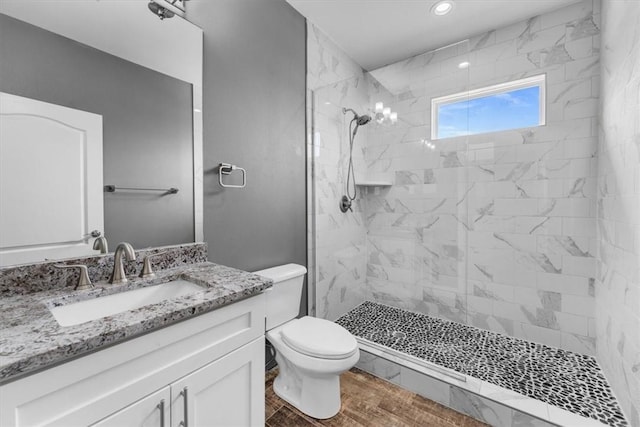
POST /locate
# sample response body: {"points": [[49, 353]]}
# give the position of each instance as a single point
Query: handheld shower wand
{"points": [[346, 200]]}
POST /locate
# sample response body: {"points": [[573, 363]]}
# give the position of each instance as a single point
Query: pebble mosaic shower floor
{"points": [[568, 380]]}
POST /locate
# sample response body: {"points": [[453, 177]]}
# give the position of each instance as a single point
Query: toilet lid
{"points": [[319, 338]]}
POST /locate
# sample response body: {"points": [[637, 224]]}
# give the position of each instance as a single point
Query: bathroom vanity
{"points": [[197, 359]]}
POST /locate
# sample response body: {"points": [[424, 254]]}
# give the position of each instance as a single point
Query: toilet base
{"points": [[318, 397], [310, 384]]}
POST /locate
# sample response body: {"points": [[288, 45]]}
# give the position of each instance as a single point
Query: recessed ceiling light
{"points": [[442, 7], [463, 65]]}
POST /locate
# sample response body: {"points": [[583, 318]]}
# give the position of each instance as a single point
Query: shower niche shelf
{"points": [[382, 179], [373, 183]]}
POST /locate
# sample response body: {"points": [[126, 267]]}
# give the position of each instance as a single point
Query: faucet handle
{"points": [[147, 271], [84, 282]]}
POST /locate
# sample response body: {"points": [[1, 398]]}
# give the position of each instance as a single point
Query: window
{"points": [[512, 105]]}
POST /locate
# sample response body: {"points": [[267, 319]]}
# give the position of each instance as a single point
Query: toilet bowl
{"points": [[311, 353]]}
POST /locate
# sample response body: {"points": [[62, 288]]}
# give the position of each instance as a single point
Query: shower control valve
{"points": [[345, 204]]}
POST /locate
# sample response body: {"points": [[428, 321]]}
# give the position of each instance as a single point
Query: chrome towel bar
{"points": [[113, 189]]}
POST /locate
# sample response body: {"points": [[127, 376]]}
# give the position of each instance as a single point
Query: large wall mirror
{"points": [[143, 77]]}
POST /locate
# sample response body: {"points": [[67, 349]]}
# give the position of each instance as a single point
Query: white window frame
{"points": [[534, 81]]}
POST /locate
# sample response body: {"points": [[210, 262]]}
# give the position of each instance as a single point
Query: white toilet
{"points": [[311, 352]]}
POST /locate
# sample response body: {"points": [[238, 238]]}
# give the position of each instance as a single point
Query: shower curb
{"points": [[517, 402]]}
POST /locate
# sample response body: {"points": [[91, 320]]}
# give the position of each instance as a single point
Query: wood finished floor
{"points": [[368, 401]]}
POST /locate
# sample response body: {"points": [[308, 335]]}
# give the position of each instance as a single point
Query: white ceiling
{"points": [[380, 32]]}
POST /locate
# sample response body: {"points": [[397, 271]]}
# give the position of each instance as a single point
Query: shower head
{"points": [[360, 120], [363, 120]]}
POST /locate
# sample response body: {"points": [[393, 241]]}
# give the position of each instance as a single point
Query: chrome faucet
{"points": [[118, 275], [100, 244]]}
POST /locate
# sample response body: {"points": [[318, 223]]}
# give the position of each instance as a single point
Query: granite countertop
{"points": [[31, 339]]}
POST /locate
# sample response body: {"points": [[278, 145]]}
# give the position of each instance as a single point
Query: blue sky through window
{"points": [[502, 111]]}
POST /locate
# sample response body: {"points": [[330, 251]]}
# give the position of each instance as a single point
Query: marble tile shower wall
{"points": [[618, 269], [495, 230], [337, 241]]}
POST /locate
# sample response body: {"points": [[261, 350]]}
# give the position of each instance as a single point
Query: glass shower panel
{"points": [[393, 155], [445, 191], [416, 227]]}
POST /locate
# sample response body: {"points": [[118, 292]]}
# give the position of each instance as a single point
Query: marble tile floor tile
{"points": [[570, 381], [367, 401]]}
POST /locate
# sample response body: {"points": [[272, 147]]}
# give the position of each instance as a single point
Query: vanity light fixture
{"points": [[384, 114], [161, 11], [463, 65], [442, 7], [428, 143]]}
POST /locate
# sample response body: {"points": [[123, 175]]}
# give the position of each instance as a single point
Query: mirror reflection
{"points": [[147, 118]]}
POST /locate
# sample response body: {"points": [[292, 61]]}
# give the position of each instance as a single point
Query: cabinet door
{"points": [[227, 392], [152, 411]]}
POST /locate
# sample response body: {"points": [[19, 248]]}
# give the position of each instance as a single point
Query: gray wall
{"points": [[147, 120], [254, 117]]}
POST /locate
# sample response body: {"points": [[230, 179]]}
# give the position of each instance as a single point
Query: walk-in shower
{"points": [[347, 199], [486, 239]]}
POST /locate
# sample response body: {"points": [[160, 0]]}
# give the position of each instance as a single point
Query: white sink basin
{"points": [[97, 308]]}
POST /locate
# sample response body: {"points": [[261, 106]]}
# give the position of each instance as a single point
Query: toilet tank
{"points": [[283, 299]]}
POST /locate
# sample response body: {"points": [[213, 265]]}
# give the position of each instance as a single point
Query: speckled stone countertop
{"points": [[31, 339]]}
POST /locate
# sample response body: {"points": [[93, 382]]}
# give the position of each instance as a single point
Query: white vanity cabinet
{"points": [[218, 394], [216, 357], [151, 411], [222, 393]]}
